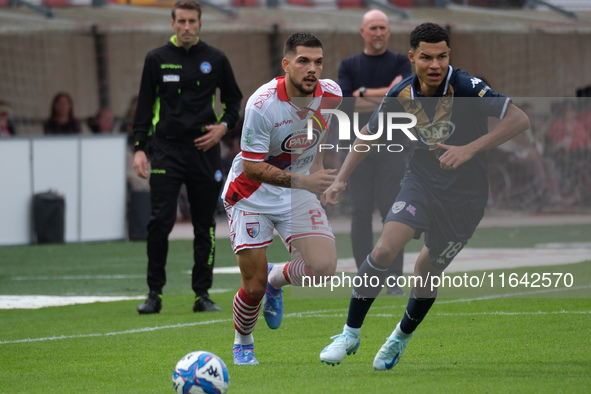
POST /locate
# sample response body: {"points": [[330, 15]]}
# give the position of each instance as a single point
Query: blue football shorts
{"points": [[447, 228]]}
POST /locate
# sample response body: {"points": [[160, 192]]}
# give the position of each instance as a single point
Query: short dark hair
{"points": [[428, 32], [301, 39], [186, 5]]}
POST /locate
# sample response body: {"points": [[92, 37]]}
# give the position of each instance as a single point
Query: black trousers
{"points": [[375, 181], [172, 165]]}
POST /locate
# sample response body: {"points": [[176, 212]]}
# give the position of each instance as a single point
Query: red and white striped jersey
{"points": [[275, 131]]}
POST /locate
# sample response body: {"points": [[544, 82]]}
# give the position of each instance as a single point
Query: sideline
{"points": [[342, 224], [475, 259], [467, 260], [42, 301]]}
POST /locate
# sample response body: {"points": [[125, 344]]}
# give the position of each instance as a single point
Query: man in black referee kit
{"points": [[176, 112]]}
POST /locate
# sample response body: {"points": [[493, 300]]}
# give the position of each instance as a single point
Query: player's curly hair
{"points": [[428, 32], [301, 39]]}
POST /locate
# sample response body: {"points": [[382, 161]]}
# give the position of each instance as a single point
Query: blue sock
{"points": [[363, 296], [415, 312]]}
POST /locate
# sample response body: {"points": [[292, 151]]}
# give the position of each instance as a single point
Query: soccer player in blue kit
{"points": [[444, 190]]}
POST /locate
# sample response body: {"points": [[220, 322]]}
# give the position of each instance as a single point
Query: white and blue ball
{"points": [[200, 372]]}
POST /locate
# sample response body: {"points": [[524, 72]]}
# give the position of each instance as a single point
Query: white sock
{"points": [[240, 339], [355, 331], [276, 277]]}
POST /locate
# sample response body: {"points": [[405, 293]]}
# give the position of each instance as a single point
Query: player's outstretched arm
{"points": [[514, 122], [316, 182], [330, 196]]}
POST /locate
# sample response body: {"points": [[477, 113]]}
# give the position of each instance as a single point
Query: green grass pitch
{"points": [[496, 344]]}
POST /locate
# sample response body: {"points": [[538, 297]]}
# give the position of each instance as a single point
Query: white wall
{"points": [[89, 171], [16, 189]]}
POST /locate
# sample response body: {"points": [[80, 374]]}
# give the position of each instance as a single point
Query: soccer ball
{"points": [[200, 372]]}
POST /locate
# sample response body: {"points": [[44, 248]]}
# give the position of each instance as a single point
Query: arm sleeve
{"points": [[231, 96], [144, 114], [256, 135], [489, 102]]}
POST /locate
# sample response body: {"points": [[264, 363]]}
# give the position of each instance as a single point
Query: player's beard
{"points": [[303, 88]]}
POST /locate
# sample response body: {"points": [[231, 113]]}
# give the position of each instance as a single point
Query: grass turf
{"points": [[464, 344]]}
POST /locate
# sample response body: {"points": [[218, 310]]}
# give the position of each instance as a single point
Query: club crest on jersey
{"points": [[253, 229], [218, 176], [298, 141], [435, 133], [205, 67], [398, 206]]}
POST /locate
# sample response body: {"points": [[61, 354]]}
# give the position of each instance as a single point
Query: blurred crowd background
{"points": [[74, 67]]}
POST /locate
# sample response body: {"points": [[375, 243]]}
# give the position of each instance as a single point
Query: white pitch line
{"points": [[44, 301], [296, 315], [77, 277], [501, 313], [135, 331], [520, 294], [319, 313]]}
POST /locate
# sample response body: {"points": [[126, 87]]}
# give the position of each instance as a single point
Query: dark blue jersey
{"points": [[457, 114]]}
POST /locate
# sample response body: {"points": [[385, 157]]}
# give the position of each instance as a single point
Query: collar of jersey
{"points": [[173, 41], [441, 90], [282, 92]]}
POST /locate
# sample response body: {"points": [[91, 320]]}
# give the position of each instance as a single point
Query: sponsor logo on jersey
{"points": [[298, 141], [253, 229], [475, 81], [411, 209], [174, 66], [205, 67], [171, 78], [283, 122], [398, 206]]}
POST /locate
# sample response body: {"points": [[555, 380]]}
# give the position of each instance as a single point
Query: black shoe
{"points": [[204, 304], [395, 290], [152, 305]]}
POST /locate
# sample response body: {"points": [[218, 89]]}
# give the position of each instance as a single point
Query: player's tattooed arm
{"points": [[316, 182], [267, 173]]}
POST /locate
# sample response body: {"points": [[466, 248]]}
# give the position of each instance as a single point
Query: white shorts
{"points": [[255, 230]]}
